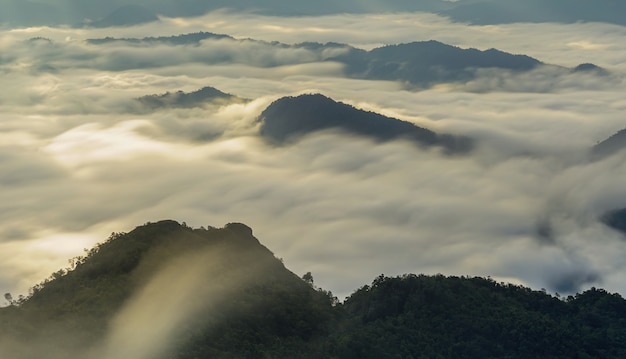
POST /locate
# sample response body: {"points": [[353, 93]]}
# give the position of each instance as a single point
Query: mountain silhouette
{"points": [[416, 65], [429, 62], [589, 67], [290, 118]]}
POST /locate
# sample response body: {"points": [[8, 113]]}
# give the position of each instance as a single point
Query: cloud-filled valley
{"points": [[82, 158]]}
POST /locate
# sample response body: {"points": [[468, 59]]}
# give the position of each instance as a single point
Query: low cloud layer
{"points": [[79, 162]]}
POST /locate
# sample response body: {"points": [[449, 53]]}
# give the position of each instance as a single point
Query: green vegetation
{"points": [[220, 294], [290, 118], [451, 317]]}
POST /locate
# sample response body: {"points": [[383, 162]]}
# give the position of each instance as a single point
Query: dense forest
{"points": [[165, 290]]}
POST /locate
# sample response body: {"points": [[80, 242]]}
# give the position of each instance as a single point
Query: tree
{"points": [[308, 278], [9, 298]]}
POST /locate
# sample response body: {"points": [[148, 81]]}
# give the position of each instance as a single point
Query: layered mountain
{"points": [[165, 290], [610, 146], [291, 118], [416, 65]]}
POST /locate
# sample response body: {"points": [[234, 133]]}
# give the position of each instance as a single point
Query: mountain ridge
{"points": [[416, 65], [165, 290], [424, 63], [609, 146], [290, 118]]}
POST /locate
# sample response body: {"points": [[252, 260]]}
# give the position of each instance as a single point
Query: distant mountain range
{"points": [[416, 65], [125, 12], [165, 290]]}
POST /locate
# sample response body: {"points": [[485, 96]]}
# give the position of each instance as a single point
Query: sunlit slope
{"points": [[166, 290]]}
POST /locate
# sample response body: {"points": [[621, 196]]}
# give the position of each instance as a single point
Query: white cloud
{"points": [[79, 162]]}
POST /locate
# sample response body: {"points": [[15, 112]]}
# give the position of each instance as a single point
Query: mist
{"points": [[79, 161]]}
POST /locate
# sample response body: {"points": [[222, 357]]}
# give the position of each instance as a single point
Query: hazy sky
{"points": [[79, 161]]}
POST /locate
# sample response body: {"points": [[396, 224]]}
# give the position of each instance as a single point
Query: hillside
{"points": [[452, 317], [429, 62], [290, 118], [609, 146], [165, 290]]}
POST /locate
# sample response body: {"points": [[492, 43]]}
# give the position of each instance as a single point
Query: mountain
{"points": [[198, 292], [428, 62], [180, 99], [588, 67], [416, 64], [610, 146], [290, 118], [165, 290]]}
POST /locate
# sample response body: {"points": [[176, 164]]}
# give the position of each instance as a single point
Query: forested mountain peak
{"points": [[191, 284]]}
